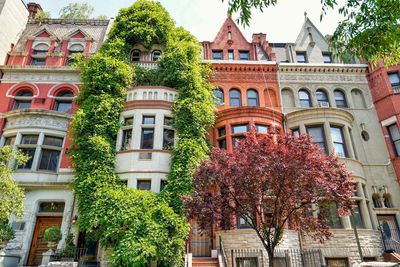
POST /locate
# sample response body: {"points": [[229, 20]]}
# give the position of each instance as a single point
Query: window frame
{"points": [[168, 144], [135, 58], [39, 55], [63, 100], [395, 86], [342, 143], [231, 54], [301, 53], [244, 52], [146, 181], [155, 55], [319, 126], [217, 52], [235, 98], [393, 142], [22, 98], [327, 54], [302, 100], [344, 100], [324, 100], [252, 98], [219, 101]]}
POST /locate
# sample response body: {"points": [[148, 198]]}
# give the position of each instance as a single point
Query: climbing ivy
{"points": [[139, 226]]}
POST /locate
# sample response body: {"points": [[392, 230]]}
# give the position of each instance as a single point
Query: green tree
{"points": [[76, 11], [370, 28], [11, 196]]}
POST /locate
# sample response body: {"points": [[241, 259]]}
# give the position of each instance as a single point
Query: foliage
{"points": [[6, 232], [11, 196], [76, 11], [52, 234], [42, 16], [138, 226], [271, 181], [370, 28], [102, 17], [69, 249]]}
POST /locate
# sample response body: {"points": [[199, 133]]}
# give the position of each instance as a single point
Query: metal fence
{"points": [[69, 255], [282, 258], [390, 238]]}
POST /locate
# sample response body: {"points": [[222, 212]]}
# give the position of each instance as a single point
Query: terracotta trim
{"points": [[252, 112]]}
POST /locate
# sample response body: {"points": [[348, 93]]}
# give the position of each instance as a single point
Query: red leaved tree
{"points": [[272, 182]]}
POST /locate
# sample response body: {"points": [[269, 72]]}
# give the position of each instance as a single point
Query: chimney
{"points": [[33, 9]]}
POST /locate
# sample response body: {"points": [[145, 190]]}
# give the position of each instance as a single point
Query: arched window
{"points": [[358, 98], [340, 99], [73, 50], [39, 54], [23, 100], [64, 101], [322, 98], [376, 199], [155, 55], [135, 55], [235, 98], [287, 98], [304, 98], [252, 98], [387, 200], [219, 97]]}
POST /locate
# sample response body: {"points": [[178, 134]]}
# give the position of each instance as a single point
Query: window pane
{"points": [[135, 55], [219, 97], [168, 121], [235, 98], [252, 98], [149, 120], [327, 58], [240, 128], [300, 57], [128, 121], [63, 106], [331, 210], [236, 139], [222, 143], [52, 207], [147, 139], [357, 217], [10, 141], [230, 55], [246, 262], [53, 141], [262, 128], [221, 131], [49, 160], [242, 223], [144, 185], [244, 55], [338, 141], [163, 184], [38, 61], [22, 104], [168, 138], [126, 139], [296, 132], [304, 98], [395, 138], [317, 136], [217, 55], [29, 139], [340, 99], [156, 55], [394, 78], [30, 152]]}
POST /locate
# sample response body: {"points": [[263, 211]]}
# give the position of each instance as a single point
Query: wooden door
{"points": [[38, 245], [201, 241]]}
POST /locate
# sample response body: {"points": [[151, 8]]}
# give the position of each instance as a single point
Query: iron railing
{"points": [[390, 238], [396, 88], [221, 245], [72, 255]]}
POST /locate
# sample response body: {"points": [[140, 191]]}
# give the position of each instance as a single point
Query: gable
{"points": [[308, 34], [230, 32], [78, 35]]}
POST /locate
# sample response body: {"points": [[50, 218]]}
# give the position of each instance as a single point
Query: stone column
{"points": [[328, 137], [348, 142]]}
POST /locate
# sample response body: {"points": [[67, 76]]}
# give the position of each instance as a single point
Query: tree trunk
{"points": [[270, 258]]}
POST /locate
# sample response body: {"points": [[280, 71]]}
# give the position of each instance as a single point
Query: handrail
{"points": [[221, 246]]}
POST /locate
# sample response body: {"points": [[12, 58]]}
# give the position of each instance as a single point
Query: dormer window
{"points": [[229, 36], [135, 55], [64, 102], [244, 55], [39, 55], [23, 100], [217, 54], [155, 55], [301, 57], [74, 49], [327, 57]]}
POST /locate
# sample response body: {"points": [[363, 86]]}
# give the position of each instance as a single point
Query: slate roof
{"points": [[61, 29]]}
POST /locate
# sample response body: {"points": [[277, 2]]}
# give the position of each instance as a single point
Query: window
{"points": [[74, 50], [236, 139], [155, 55], [51, 207], [240, 128], [340, 99], [168, 121], [219, 97], [149, 120], [301, 57], [39, 55], [304, 98], [64, 102], [217, 55], [235, 98], [244, 55], [296, 132], [163, 183], [222, 133], [28, 147], [229, 35], [338, 141], [23, 100], [395, 81], [147, 138], [246, 262], [262, 128], [337, 262], [356, 216], [135, 55], [318, 136], [168, 134], [394, 138], [128, 121], [51, 150], [222, 143], [327, 57], [387, 200], [126, 139], [252, 98], [230, 55], [10, 141], [144, 184], [376, 199], [322, 98], [242, 223], [330, 211]]}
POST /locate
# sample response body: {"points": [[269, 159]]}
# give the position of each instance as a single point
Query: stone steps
{"points": [[205, 262]]}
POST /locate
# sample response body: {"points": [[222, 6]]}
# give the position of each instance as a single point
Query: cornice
{"points": [[38, 69], [147, 104], [239, 112], [319, 113], [239, 67], [146, 87], [322, 68], [32, 111]]}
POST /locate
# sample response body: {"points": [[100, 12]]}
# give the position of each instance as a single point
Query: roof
{"points": [[63, 28]]}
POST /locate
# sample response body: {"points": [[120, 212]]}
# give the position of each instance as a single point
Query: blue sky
{"points": [[203, 18]]}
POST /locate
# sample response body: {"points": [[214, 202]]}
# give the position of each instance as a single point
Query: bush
{"points": [[69, 250], [6, 232], [52, 234]]}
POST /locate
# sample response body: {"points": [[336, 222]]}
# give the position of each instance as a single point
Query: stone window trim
{"points": [[304, 98], [340, 98], [322, 98], [23, 99], [235, 98], [63, 100], [37, 148]]}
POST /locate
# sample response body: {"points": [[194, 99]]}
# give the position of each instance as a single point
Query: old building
{"points": [[13, 17], [37, 92]]}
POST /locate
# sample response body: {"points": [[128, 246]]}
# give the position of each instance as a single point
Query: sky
{"points": [[203, 18]]}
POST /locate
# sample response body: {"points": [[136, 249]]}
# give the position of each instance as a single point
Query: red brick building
{"points": [[384, 84]]}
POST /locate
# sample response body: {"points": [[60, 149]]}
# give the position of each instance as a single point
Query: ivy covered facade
{"points": [[116, 117]]}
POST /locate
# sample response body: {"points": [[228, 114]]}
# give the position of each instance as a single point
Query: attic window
{"points": [[39, 54], [229, 35], [74, 50], [327, 57], [301, 57], [244, 55], [217, 54]]}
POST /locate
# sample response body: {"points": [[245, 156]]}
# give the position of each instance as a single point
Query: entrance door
{"points": [[39, 246], [390, 232], [201, 241]]}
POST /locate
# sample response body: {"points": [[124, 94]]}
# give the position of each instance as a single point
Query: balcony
{"points": [[396, 88], [150, 65]]}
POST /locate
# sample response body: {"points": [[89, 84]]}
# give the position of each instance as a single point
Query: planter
{"points": [[51, 244], [9, 260]]}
